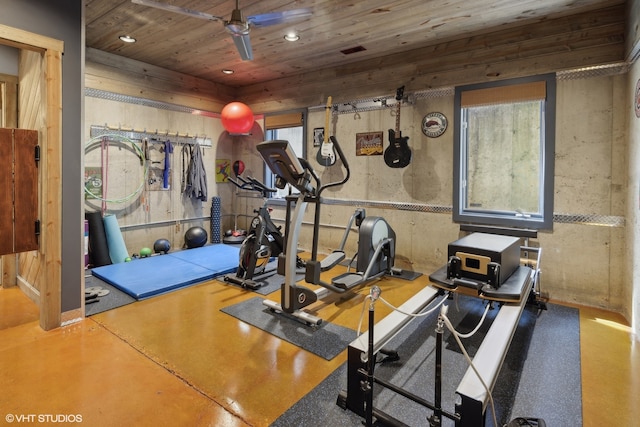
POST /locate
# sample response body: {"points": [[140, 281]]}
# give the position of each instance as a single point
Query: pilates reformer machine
{"points": [[497, 269]]}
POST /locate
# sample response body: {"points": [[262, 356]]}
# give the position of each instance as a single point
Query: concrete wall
{"points": [[153, 212], [581, 263], [632, 272], [124, 174]]}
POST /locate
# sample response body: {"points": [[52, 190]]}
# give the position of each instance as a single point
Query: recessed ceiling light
{"points": [[225, 71], [127, 39], [292, 37]]}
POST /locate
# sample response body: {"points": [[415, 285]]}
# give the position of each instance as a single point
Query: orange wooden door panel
{"points": [[6, 191], [26, 190], [18, 190]]}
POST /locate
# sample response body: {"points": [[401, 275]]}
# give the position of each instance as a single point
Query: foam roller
{"points": [[216, 222], [117, 248]]}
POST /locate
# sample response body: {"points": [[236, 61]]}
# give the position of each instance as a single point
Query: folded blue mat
{"points": [[217, 257], [147, 277]]}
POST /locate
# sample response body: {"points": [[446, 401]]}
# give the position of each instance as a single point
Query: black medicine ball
{"points": [[161, 246], [195, 237]]}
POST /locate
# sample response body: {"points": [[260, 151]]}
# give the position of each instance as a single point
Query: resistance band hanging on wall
{"points": [[195, 177], [168, 149]]}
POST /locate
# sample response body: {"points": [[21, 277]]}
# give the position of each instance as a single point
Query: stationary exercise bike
{"points": [[264, 240], [376, 243]]}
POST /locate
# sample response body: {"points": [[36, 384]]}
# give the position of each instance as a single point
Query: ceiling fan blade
{"points": [[243, 44], [176, 9], [276, 18]]}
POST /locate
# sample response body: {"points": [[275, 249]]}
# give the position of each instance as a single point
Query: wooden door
{"points": [[26, 226], [8, 119], [6, 191], [19, 228]]}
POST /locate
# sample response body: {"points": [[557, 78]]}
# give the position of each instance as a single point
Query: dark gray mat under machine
{"points": [[540, 376]]}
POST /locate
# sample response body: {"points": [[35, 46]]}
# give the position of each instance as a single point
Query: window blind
{"points": [[504, 94]]}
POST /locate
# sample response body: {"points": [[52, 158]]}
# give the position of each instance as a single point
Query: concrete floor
{"points": [[176, 360]]}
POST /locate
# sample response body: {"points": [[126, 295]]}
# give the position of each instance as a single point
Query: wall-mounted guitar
{"points": [[398, 153], [326, 154]]}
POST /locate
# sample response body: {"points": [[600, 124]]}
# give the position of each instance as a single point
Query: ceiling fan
{"points": [[237, 26]]}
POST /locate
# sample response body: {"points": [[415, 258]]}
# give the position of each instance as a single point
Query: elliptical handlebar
{"points": [[252, 184], [283, 162], [320, 188], [345, 165]]}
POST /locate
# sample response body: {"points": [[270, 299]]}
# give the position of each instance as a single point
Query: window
{"points": [[504, 153], [289, 127]]}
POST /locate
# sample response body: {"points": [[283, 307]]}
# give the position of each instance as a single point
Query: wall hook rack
{"points": [[140, 135]]}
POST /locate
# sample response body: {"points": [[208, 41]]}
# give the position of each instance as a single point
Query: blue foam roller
{"points": [[117, 248]]}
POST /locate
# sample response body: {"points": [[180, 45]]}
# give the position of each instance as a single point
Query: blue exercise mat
{"points": [[148, 277], [217, 257]]}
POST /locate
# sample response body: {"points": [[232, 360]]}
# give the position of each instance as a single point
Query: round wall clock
{"points": [[434, 124]]}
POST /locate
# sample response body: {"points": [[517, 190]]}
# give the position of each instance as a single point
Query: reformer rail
{"points": [[473, 396]]}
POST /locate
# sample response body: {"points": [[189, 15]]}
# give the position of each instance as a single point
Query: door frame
{"points": [[49, 106]]}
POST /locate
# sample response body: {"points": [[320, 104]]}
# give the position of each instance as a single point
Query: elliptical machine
{"points": [[264, 240], [376, 243]]}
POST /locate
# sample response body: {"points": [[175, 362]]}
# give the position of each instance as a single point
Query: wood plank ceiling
{"points": [[411, 39]]}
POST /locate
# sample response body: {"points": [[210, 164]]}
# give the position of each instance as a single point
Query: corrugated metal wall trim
{"points": [[561, 218]]}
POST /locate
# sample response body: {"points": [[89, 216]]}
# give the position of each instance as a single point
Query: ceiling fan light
{"points": [[237, 23], [237, 26], [127, 39]]}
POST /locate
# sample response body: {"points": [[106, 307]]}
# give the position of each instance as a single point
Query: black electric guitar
{"points": [[326, 154], [398, 153]]}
